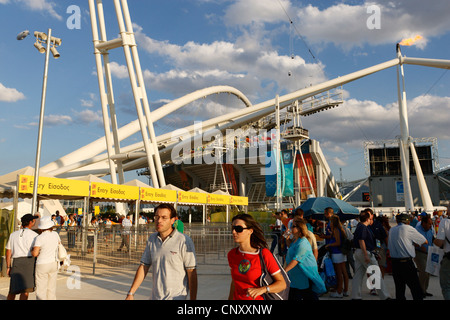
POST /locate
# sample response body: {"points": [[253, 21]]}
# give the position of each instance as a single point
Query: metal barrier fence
{"points": [[113, 249]]}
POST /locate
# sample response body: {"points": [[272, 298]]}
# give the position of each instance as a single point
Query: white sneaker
{"points": [[336, 295], [345, 293]]}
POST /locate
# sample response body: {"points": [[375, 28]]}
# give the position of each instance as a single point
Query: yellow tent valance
{"points": [[158, 195], [114, 191], [54, 186], [239, 201], [80, 188], [192, 197], [218, 199]]}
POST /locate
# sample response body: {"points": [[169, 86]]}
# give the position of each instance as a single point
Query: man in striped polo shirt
{"points": [[168, 252]]}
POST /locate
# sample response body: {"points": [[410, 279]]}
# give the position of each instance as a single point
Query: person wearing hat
{"points": [[45, 249], [19, 260], [403, 239]]}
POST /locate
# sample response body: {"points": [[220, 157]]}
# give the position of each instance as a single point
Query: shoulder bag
{"points": [[62, 252], [266, 280]]}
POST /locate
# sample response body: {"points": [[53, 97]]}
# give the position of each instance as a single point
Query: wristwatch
{"points": [[268, 289], [130, 293]]}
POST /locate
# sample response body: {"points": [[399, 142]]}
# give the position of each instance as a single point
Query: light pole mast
{"points": [[51, 44]]}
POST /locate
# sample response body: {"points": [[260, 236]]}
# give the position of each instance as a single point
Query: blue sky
{"points": [[186, 45]]}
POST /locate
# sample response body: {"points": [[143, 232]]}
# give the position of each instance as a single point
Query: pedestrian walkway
{"points": [[213, 284]]}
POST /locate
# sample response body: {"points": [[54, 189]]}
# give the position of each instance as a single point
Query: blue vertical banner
{"points": [[288, 173], [271, 174]]}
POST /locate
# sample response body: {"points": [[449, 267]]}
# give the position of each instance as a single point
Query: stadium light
{"points": [[44, 43]]}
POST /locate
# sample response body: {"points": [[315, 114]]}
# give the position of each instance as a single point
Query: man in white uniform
{"points": [[19, 261]]}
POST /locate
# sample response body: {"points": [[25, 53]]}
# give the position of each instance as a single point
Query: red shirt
{"points": [[246, 270]]}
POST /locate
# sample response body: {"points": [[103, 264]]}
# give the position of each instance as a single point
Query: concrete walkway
{"points": [[213, 284]]}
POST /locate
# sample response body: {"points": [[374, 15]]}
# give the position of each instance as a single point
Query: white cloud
{"points": [[51, 120], [41, 5], [251, 68], [346, 25], [88, 116], [56, 120], [351, 124], [119, 71], [10, 94], [87, 103], [246, 12]]}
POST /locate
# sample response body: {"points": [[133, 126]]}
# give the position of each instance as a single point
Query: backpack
{"points": [[346, 246], [266, 279]]}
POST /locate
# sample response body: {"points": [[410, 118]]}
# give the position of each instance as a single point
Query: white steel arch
{"points": [[91, 153]]}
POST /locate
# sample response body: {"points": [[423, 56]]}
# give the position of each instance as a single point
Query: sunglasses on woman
{"points": [[238, 229]]}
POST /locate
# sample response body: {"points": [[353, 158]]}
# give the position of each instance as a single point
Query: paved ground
{"points": [[214, 282]]}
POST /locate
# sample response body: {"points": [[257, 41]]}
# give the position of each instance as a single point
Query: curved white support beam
{"points": [[90, 154], [86, 153]]}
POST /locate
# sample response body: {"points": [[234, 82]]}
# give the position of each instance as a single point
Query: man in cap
{"points": [[403, 239], [19, 261]]}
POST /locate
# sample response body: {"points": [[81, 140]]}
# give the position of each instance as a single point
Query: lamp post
{"points": [[50, 46]]}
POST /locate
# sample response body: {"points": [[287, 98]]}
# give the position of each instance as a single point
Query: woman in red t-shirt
{"points": [[245, 263]]}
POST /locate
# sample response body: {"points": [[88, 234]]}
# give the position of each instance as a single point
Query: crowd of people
{"points": [[365, 244]]}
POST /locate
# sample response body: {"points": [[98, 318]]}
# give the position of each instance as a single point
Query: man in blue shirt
{"points": [[364, 242], [425, 229]]}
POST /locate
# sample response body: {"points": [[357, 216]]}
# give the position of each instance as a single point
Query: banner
{"points": [[114, 191], [271, 174], [192, 197], [288, 177], [239, 201], [54, 186], [218, 199], [305, 187], [158, 195]]}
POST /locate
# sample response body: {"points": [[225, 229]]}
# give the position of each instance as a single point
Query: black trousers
{"points": [[302, 294], [405, 274]]}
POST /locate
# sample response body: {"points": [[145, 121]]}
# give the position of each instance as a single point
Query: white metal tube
{"points": [[101, 84], [404, 159], [110, 101], [424, 193], [140, 79], [108, 45], [434, 63], [137, 97]]}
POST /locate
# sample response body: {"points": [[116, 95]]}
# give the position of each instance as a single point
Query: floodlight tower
{"points": [[45, 43]]}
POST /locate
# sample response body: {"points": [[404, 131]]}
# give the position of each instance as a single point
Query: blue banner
{"points": [[271, 174], [288, 173]]}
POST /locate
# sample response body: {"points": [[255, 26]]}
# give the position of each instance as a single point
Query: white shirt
{"points": [[126, 224], [401, 239], [21, 242], [48, 242], [444, 232]]}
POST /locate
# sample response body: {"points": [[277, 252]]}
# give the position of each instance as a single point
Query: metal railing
{"points": [[111, 250]]}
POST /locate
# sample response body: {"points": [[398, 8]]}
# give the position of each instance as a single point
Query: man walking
{"points": [[425, 228], [443, 240], [171, 255], [364, 242], [402, 250], [19, 261], [126, 231]]}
